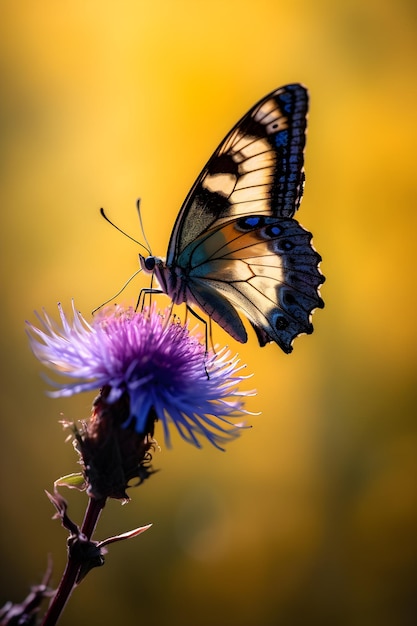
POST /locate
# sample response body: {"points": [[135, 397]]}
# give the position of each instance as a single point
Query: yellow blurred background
{"points": [[310, 517]]}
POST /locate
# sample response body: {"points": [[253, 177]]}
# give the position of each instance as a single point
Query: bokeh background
{"points": [[310, 517]]}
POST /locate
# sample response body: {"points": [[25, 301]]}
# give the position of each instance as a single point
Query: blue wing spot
{"points": [[281, 139], [285, 99], [247, 223], [273, 231], [285, 245]]}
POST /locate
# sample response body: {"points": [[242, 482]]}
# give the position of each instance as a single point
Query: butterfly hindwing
{"points": [[266, 267]]}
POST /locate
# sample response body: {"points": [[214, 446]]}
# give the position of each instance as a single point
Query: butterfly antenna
{"points": [[141, 226], [125, 234], [120, 290]]}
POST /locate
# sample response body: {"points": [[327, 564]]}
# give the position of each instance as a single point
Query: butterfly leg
{"points": [[203, 321], [142, 295], [208, 328], [206, 335], [211, 335]]}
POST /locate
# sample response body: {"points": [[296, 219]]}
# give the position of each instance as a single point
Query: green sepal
{"points": [[72, 481]]}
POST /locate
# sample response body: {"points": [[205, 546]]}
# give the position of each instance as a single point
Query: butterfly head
{"points": [[156, 266], [150, 264]]}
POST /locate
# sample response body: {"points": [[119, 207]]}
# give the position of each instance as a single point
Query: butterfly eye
{"points": [[150, 263]]}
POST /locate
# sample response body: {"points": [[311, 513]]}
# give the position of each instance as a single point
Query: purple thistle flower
{"points": [[156, 363]]}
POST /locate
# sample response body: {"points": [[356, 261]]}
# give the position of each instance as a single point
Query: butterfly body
{"points": [[235, 244]]}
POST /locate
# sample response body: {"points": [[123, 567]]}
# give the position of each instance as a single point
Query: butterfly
{"points": [[235, 246]]}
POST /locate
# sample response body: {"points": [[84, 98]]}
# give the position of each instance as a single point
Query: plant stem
{"points": [[70, 575]]}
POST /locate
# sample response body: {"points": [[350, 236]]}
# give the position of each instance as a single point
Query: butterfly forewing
{"points": [[257, 169]]}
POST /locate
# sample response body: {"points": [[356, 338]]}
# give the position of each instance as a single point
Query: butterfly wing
{"points": [[235, 244], [257, 169], [265, 267]]}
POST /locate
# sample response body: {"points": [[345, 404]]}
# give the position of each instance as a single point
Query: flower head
{"points": [[154, 365]]}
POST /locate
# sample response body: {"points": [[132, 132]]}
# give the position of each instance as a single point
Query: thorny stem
{"points": [[70, 575]]}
